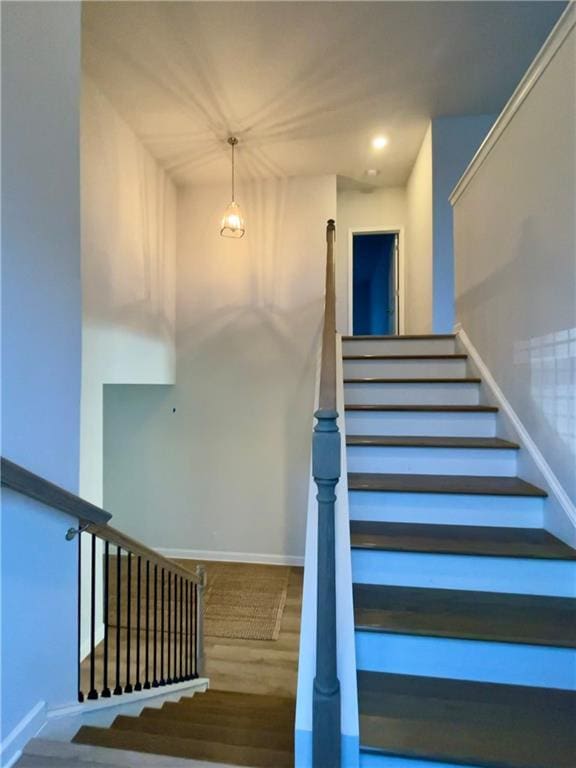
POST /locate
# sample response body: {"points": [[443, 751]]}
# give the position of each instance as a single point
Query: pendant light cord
{"points": [[232, 172]]}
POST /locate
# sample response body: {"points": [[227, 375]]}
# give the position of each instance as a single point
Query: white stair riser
{"points": [[399, 347], [405, 369], [374, 760], [447, 509], [487, 574], [374, 393], [432, 461], [482, 661], [425, 424]]}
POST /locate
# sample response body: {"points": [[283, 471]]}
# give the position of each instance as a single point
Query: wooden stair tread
{"points": [[417, 441], [261, 699], [397, 337], [249, 737], [423, 408], [459, 540], [388, 380], [173, 711], [447, 356], [491, 616], [46, 761], [236, 729], [174, 746], [244, 702], [461, 484], [466, 722]]}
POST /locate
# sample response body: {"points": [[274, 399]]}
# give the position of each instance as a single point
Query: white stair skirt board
{"points": [[459, 659], [432, 461], [398, 346], [522, 576], [424, 393], [137, 699], [447, 509], [28, 726], [418, 423], [376, 760], [405, 369], [80, 754]]}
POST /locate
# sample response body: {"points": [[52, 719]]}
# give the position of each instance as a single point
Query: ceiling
{"points": [[304, 85]]}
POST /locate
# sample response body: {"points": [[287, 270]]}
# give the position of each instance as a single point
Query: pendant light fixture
{"points": [[232, 221]]}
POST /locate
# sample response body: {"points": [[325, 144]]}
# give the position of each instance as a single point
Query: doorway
{"points": [[374, 291]]}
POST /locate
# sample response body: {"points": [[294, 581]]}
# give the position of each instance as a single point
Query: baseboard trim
{"points": [[229, 557], [200, 685], [12, 746], [554, 487]]}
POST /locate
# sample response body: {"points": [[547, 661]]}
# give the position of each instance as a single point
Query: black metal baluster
{"points": [[80, 694], [155, 649], [128, 687], [162, 680], [189, 643], [169, 617], [138, 686], [106, 586], [93, 693], [175, 676], [118, 689], [193, 633], [185, 639], [181, 675], [147, 646]]}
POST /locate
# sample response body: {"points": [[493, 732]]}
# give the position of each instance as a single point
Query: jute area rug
{"points": [[241, 601], [245, 602]]}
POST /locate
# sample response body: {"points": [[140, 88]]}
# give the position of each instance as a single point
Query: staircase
{"points": [[465, 609], [217, 726]]}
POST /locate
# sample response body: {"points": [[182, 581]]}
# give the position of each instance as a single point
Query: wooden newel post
{"points": [[326, 694]]}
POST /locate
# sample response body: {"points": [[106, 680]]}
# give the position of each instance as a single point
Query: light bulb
{"points": [[379, 142], [232, 221]]}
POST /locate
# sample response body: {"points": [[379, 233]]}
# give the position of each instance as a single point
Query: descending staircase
{"points": [[465, 606], [217, 726]]}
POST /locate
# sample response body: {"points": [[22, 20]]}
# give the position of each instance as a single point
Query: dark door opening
{"points": [[374, 284]]}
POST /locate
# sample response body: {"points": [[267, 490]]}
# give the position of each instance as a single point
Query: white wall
{"points": [[234, 478], [419, 241], [515, 244], [41, 350], [381, 208], [454, 143], [128, 271]]}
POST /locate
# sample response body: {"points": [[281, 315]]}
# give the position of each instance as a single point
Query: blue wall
{"points": [[373, 268], [41, 354]]}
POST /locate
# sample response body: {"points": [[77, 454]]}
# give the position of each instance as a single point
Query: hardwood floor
{"points": [[257, 666], [245, 718], [247, 666]]}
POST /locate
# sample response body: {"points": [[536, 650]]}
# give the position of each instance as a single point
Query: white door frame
{"points": [[401, 304]]}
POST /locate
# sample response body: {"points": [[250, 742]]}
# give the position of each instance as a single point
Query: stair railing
{"points": [[326, 472], [139, 614]]}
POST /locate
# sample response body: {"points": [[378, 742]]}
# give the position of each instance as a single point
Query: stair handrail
{"points": [[92, 518], [326, 468], [184, 617]]}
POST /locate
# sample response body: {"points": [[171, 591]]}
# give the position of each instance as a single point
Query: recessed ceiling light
{"points": [[379, 142], [372, 172]]}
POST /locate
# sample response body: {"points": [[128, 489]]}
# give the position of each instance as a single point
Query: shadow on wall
{"points": [[229, 444], [222, 457], [539, 364]]}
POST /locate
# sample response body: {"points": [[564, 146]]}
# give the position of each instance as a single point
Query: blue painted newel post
{"points": [[326, 472]]}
